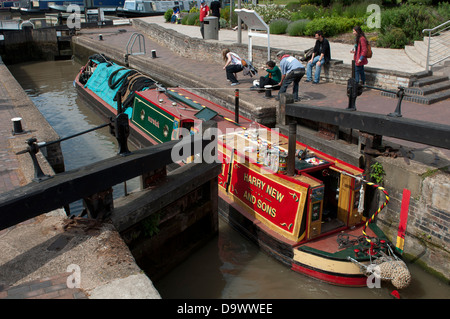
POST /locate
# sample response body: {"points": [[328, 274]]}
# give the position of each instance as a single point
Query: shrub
{"points": [[293, 6], [394, 38], [332, 26], [297, 28], [271, 12], [278, 26], [193, 18], [168, 15], [307, 12], [410, 20]]}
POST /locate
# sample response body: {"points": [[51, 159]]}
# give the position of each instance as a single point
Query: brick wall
{"points": [[427, 240]]}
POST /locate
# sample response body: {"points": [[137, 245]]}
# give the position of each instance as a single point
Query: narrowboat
{"points": [[138, 8], [312, 221], [6, 5]]}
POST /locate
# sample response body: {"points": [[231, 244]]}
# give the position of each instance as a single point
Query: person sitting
{"points": [[320, 56], [176, 15], [273, 76]]}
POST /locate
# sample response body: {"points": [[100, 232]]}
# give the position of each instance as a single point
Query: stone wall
{"points": [[29, 44], [427, 234], [200, 49]]}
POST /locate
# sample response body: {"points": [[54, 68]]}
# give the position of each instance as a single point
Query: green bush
{"points": [[393, 38], [168, 15], [297, 28], [278, 26], [332, 26], [293, 6], [193, 18], [410, 20], [307, 12], [443, 11]]}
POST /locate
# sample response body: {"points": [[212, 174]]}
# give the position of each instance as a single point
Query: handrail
{"points": [[430, 32], [435, 28]]}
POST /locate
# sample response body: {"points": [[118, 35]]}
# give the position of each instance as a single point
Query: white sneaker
{"points": [[235, 83]]}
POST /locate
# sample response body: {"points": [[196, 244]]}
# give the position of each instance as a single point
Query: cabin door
{"points": [[315, 212], [348, 201]]}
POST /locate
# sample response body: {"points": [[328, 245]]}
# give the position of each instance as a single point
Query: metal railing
{"points": [[438, 44]]}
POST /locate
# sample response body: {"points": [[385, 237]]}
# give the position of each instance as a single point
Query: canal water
{"points": [[229, 266]]}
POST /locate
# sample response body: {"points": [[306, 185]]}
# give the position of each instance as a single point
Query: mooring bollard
{"points": [[17, 125], [268, 91]]}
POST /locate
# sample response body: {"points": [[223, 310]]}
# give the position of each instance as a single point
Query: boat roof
{"points": [[186, 105]]}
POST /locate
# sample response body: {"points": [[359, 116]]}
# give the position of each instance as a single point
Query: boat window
{"points": [[129, 5]]}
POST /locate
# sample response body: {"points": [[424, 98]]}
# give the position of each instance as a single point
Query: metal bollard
{"points": [[153, 54], [17, 125], [268, 91]]}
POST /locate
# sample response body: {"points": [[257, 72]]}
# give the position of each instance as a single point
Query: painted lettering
{"points": [[153, 121], [248, 196], [274, 193], [266, 208]]}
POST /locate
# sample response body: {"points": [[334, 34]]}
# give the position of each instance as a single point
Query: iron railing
{"points": [[438, 44]]}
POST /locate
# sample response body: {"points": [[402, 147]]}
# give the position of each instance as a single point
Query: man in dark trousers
{"points": [[320, 56], [204, 12], [292, 71], [215, 11]]}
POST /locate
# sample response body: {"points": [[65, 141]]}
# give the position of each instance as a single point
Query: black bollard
{"points": [[398, 110], [33, 149], [268, 91], [17, 125]]}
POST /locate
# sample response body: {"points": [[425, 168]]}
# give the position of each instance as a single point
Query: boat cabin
{"points": [[321, 197]]}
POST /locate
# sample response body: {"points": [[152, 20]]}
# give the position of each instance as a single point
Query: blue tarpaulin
{"points": [[98, 83]]}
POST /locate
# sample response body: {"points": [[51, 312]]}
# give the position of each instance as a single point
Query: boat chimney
{"points": [[291, 149]]}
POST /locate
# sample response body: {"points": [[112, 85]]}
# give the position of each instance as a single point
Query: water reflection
{"points": [[50, 86]]}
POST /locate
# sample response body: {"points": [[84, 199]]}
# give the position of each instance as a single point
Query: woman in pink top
{"points": [[359, 54]]}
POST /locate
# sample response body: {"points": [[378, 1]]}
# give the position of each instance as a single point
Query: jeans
{"points": [[359, 74], [231, 69], [309, 67], [202, 29], [293, 76]]}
